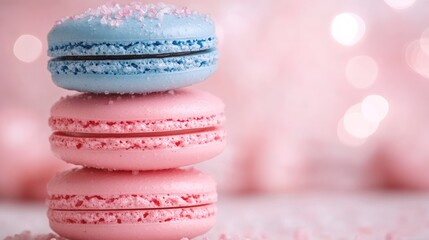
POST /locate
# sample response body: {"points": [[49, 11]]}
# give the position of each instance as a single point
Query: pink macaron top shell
{"points": [[91, 189], [165, 111]]}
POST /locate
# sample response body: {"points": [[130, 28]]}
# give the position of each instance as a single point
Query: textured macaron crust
{"points": [[177, 202], [136, 75], [134, 216], [138, 132], [132, 48]]}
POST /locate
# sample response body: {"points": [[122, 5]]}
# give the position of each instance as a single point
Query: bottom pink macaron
{"points": [[97, 204]]}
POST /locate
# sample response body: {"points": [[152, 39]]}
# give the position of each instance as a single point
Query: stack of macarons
{"points": [[133, 126]]}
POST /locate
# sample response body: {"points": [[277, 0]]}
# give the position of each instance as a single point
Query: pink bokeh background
{"points": [[320, 94]]}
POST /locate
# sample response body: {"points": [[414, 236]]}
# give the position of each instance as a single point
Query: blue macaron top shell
{"points": [[131, 29]]}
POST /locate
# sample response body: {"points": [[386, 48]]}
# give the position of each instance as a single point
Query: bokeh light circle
{"points": [[356, 124], [346, 138], [17, 130], [347, 28], [424, 41], [27, 48], [417, 59], [375, 108], [400, 4], [361, 71]]}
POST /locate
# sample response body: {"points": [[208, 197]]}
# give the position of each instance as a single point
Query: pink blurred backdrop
{"points": [[289, 73]]}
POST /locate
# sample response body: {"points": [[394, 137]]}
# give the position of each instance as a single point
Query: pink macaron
{"points": [[138, 132], [94, 204]]}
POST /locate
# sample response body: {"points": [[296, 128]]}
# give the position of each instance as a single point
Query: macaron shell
{"points": [[177, 104], [133, 75], [87, 32], [140, 160], [87, 181], [131, 47], [196, 138], [137, 83], [139, 222], [152, 231]]}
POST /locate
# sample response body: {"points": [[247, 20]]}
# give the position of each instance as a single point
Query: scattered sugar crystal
{"points": [[26, 235], [103, 20], [113, 14]]}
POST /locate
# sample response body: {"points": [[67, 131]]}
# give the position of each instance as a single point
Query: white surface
{"points": [[17, 217]]}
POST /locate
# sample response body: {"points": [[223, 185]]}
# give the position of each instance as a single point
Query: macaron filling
{"points": [[138, 141], [129, 201], [63, 124], [132, 216], [134, 64], [131, 56]]}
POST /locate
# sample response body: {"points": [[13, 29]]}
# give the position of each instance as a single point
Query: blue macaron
{"points": [[132, 48]]}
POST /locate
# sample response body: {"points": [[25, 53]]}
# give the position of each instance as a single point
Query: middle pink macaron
{"points": [[138, 132]]}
